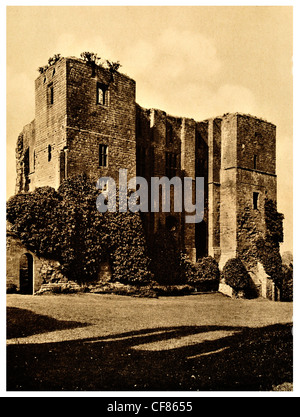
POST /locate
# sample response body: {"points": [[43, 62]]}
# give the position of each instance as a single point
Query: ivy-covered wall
{"points": [[259, 236], [65, 226]]}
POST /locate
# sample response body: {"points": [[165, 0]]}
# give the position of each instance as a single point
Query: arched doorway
{"points": [[26, 274]]}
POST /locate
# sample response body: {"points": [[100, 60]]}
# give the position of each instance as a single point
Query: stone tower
{"points": [[84, 123], [242, 174]]}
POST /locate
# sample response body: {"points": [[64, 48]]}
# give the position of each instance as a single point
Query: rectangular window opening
{"points": [[103, 155], [49, 153], [255, 201], [102, 94], [50, 94], [171, 164], [255, 159]]}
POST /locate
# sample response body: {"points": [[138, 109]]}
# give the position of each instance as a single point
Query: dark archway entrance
{"points": [[171, 223], [26, 274]]}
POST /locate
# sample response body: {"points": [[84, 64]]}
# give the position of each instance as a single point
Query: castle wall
{"points": [[228, 195], [256, 137], [25, 158], [214, 157], [256, 151], [188, 139], [91, 124], [50, 113], [247, 178], [159, 134]]}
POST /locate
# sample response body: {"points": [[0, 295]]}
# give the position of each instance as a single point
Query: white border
{"points": [[155, 394]]}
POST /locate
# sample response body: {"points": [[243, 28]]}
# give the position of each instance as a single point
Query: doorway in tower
{"points": [[26, 274]]}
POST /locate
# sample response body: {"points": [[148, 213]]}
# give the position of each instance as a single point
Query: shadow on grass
{"points": [[251, 359], [23, 323]]}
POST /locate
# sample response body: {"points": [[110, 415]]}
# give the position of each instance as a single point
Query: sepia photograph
{"points": [[149, 202]]}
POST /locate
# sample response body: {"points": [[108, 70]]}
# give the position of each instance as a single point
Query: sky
{"points": [[192, 61]]}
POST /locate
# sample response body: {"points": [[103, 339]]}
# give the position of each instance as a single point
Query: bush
{"points": [[11, 289], [261, 244], [208, 274], [187, 269], [235, 275], [269, 256], [205, 275]]}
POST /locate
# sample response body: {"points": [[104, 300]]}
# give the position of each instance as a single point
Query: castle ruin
{"points": [[87, 121]]}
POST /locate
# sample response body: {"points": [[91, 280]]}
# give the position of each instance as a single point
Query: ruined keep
{"points": [[87, 121]]}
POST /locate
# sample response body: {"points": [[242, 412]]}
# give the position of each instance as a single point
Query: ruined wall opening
{"points": [[255, 201], [50, 94], [26, 274], [255, 158], [49, 153], [103, 155], [102, 94]]}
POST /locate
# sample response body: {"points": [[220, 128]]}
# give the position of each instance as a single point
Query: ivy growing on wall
{"points": [[257, 243], [65, 225], [268, 248], [166, 258]]}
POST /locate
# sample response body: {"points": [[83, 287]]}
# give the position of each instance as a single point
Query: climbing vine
{"points": [[65, 225], [257, 243]]}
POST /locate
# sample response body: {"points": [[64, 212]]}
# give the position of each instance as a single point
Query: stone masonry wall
{"points": [[25, 158], [256, 140], [158, 134], [90, 124], [248, 168], [50, 124], [214, 146], [228, 197]]}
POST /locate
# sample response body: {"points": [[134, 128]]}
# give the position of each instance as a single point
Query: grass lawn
{"points": [[205, 342]]}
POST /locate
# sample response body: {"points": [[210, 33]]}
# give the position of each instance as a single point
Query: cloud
{"points": [[20, 111], [180, 72], [230, 98], [175, 55], [70, 44], [190, 53], [198, 100], [20, 99]]}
